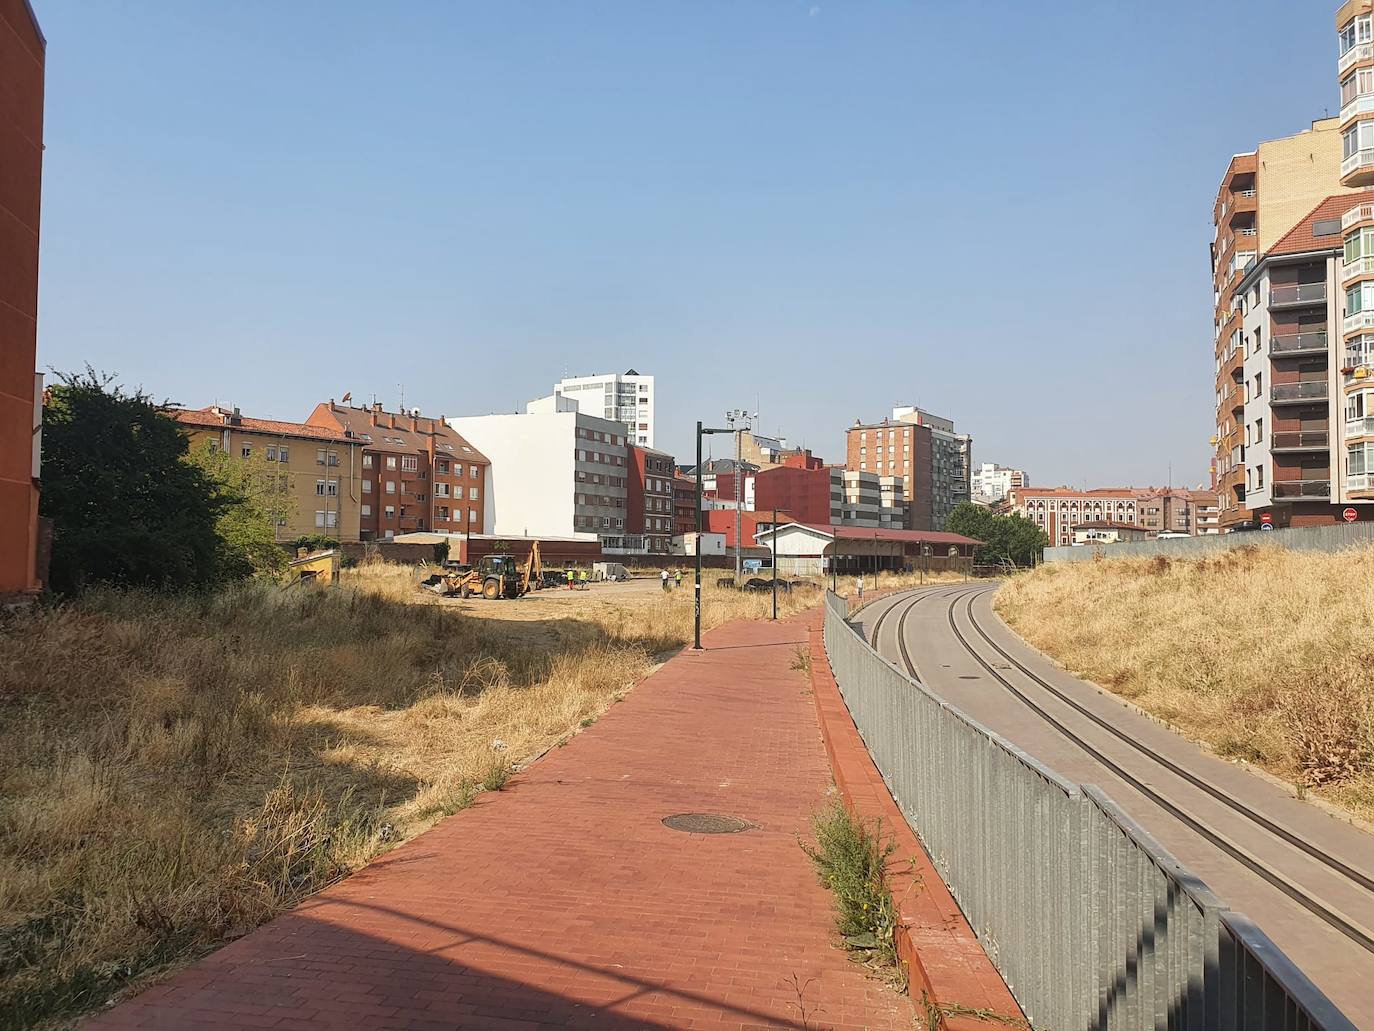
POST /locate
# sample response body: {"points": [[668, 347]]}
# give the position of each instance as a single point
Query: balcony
{"points": [[1298, 343], [1301, 490], [1354, 56], [1358, 106], [1359, 213], [1360, 483], [1357, 268], [1359, 428], [1296, 295], [1298, 393], [1360, 320], [1300, 440], [1358, 164]]}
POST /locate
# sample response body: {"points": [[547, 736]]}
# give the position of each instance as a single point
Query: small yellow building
{"points": [[322, 468]]}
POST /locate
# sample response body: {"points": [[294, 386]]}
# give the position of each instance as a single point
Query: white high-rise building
{"points": [[992, 482], [626, 398]]}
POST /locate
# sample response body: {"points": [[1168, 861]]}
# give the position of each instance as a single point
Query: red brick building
{"points": [[804, 493], [684, 505], [650, 505], [417, 473], [22, 56]]}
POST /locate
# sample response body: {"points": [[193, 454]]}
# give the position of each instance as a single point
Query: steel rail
{"points": [[1357, 933]]}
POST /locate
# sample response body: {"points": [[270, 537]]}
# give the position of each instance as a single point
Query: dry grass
{"points": [[1262, 654], [176, 770]]}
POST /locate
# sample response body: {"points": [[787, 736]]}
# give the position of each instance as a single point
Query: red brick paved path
{"points": [[564, 902]]}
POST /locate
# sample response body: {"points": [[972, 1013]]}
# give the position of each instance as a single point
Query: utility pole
{"points": [[733, 417], [696, 618]]}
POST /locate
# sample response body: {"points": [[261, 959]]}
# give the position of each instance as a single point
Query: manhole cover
{"points": [[706, 823]]}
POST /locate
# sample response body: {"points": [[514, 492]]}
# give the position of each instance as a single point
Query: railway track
{"points": [[1149, 773]]}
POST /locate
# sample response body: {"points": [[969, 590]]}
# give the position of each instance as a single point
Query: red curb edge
{"points": [[940, 954]]}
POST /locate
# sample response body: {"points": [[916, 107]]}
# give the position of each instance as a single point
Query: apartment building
{"points": [[650, 503], [626, 398], [991, 482], [1263, 195], [320, 467], [555, 471], [932, 461], [684, 504], [1057, 510], [21, 389], [767, 452], [1177, 510], [417, 473]]}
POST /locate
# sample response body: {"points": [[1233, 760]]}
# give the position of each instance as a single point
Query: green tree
{"points": [[970, 520], [255, 498], [1007, 539], [126, 508]]}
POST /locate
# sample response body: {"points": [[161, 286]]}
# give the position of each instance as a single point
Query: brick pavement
{"points": [[564, 902]]}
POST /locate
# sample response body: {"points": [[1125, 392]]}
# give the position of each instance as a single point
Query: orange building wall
{"points": [[21, 164]]}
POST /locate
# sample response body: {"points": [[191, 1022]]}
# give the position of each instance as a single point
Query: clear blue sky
{"points": [[999, 211]]}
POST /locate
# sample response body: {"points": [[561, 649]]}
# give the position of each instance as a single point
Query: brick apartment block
{"points": [[22, 60], [416, 473]]}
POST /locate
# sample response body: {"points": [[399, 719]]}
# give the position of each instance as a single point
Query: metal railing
{"points": [[1301, 391], [1297, 293], [1300, 488], [1286, 343], [1091, 923], [1299, 440]]}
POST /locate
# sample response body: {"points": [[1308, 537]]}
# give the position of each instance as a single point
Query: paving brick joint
{"points": [[563, 901]]}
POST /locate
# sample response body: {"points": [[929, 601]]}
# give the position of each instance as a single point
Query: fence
{"points": [[1302, 538], [1091, 923]]}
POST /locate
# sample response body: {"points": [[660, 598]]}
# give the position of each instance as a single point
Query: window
{"points": [[441, 467], [332, 488], [1349, 89], [391, 461], [390, 511], [441, 490], [246, 451], [319, 488], [367, 486], [472, 493], [409, 463], [326, 520], [474, 472], [333, 458], [271, 454], [443, 513], [472, 515], [366, 510], [320, 456], [283, 453], [367, 461], [391, 486]]}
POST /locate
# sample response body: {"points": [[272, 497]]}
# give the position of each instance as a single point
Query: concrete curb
{"points": [[941, 957]]}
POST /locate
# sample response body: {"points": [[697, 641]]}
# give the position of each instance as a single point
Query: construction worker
{"points": [[678, 577], [572, 575], [663, 579]]}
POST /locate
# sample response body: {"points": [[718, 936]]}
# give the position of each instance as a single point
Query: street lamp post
{"points": [[696, 618]]}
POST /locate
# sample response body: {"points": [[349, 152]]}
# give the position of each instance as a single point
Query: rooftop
{"points": [[215, 417]]}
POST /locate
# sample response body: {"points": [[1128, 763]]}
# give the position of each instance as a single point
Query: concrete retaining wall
{"points": [[1306, 538]]}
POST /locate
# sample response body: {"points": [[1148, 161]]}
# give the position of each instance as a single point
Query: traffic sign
{"points": [[1266, 518], [1266, 526], [1350, 515]]}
